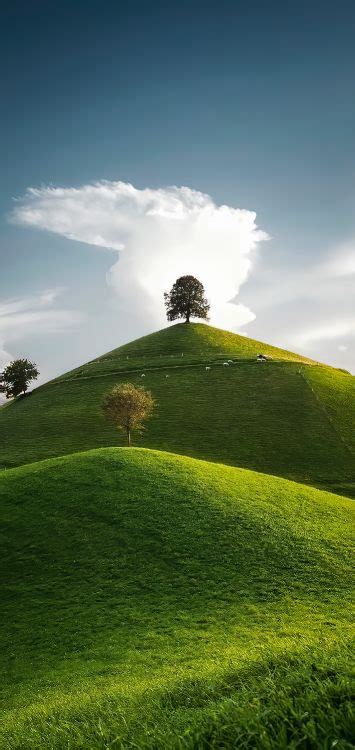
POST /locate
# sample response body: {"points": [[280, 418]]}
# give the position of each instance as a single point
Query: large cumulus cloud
{"points": [[159, 234]]}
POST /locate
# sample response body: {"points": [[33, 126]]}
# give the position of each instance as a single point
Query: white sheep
{"points": [[166, 376], [225, 364], [207, 368], [143, 375], [230, 361]]}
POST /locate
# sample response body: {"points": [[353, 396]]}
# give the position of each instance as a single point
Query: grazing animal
{"points": [[230, 361], [166, 376], [225, 364], [143, 375], [208, 368]]}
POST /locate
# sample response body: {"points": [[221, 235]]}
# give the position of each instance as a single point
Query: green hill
{"points": [[155, 601], [288, 417], [193, 342]]}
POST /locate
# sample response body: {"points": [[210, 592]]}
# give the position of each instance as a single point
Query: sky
{"points": [[140, 141]]}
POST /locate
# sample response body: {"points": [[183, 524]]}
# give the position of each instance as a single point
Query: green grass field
{"points": [[195, 341], [259, 416], [155, 601]]}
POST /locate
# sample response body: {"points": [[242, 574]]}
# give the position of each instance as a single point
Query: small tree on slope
{"points": [[186, 300], [17, 376], [128, 406]]}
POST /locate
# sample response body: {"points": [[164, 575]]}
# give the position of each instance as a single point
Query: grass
{"points": [[193, 342], [151, 600], [263, 417], [337, 396]]}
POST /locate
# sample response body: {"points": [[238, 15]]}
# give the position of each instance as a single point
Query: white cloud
{"points": [[330, 330], [162, 233], [342, 261], [305, 306], [24, 316], [38, 301]]}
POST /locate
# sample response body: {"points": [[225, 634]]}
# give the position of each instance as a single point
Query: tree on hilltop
{"points": [[128, 406], [16, 377], [186, 299]]}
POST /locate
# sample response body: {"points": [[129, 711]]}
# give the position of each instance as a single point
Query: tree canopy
{"points": [[186, 299], [128, 406], [16, 377]]}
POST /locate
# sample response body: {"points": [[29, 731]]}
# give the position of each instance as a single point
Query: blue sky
{"points": [[250, 104]]}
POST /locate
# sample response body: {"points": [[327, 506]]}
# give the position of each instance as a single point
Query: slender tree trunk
{"points": [[128, 437], [188, 312]]}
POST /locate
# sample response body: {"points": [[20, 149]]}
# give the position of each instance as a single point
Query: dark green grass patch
{"points": [[336, 393]]}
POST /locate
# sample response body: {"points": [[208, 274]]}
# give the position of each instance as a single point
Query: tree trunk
{"points": [[128, 437], [188, 311]]}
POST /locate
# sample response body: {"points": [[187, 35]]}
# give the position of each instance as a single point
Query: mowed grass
{"points": [[337, 396], [153, 601], [264, 417], [182, 342], [258, 416]]}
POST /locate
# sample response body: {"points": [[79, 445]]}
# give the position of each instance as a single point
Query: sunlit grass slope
{"points": [[151, 600], [283, 417], [194, 342]]}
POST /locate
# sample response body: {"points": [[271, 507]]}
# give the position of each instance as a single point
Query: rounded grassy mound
{"points": [[191, 342], [200, 338], [154, 601], [283, 417]]}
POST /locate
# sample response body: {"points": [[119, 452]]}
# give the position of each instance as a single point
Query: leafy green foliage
{"points": [[186, 299], [128, 406], [16, 377], [153, 601]]}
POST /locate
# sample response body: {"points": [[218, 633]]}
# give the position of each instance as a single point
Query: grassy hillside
{"points": [[183, 343], [259, 416], [337, 396], [155, 601]]}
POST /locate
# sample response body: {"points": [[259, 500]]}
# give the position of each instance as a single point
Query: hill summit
{"points": [[203, 339], [195, 341]]}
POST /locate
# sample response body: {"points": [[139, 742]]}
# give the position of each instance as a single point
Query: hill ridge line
{"points": [[326, 413], [263, 418], [300, 481]]}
